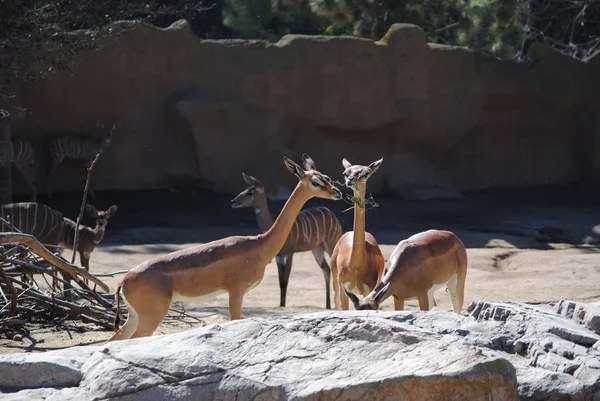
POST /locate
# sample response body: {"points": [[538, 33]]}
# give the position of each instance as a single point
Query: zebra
{"points": [[50, 227], [24, 160], [75, 147]]}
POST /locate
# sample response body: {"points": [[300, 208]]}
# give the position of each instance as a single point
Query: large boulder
{"points": [[492, 352]]}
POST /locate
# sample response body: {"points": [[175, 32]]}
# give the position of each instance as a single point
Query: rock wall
{"points": [[493, 352], [445, 119]]}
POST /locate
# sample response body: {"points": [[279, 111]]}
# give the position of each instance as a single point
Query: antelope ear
{"points": [[346, 163], [111, 211], [353, 298], [309, 163], [247, 179], [381, 295], [91, 210], [375, 165], [293, 167]]}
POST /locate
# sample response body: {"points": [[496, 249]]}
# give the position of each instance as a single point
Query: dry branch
{"points": [[34, 244]]}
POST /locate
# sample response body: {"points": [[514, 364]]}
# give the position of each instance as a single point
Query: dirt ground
{"points": [[529, 246]]}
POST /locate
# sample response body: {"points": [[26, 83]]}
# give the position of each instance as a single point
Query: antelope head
{"points": [[250, 196], [101, 216], [371, 301], [356, 174], [318, 185]]}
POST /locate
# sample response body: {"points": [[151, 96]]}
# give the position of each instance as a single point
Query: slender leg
{"points": [[398, 303], [430, 298], [319, 254], [130, 326], [345, 301], [235, 305], [84, 257], [150, 316], [423, 302], [56, 161], [284, 268], [453, 289], [335, 284]]}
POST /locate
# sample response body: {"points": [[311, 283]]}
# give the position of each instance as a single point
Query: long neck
{"points": [[273, 240], [98, 233], [358, 244], [263, 214]]}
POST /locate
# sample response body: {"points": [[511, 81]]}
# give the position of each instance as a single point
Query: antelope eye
{"points": [[316, 182]]}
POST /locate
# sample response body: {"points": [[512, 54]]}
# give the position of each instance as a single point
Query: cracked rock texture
{"points": [[494, 351]]}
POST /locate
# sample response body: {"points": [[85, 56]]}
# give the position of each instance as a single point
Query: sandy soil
{"points": [[519, 250]]}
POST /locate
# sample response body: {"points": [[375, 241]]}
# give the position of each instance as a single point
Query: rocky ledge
{"points": [[494, 351]]}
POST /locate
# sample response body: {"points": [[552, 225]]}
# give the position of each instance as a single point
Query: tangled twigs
{"points": [[31, 242], [12, 290], [29, 303]]}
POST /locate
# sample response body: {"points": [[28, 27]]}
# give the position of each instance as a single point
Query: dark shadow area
{"points": [[523, 217]]}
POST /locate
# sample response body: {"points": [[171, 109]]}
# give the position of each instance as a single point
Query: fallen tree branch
{"points": [[11, 289], [34, 244]]}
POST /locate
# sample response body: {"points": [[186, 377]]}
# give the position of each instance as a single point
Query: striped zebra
{"points": [[315, 229], [50, 227], [24, 160], [75, 147]]}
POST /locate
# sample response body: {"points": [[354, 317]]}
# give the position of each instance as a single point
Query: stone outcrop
{"points": [[492, 352], [445, 119]]}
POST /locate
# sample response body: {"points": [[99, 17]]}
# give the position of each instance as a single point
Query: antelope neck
{"points": [[275, 237], [359, 250], [98, 233], [263, 214]]}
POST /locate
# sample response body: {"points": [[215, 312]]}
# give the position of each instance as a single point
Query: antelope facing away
{"points": [[316, 229], [357, 262], [50, 227], [417, 267], [232, 265], [75, 147], [24, 160]]}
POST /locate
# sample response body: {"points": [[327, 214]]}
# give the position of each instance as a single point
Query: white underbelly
{"points": [[196, 300]]}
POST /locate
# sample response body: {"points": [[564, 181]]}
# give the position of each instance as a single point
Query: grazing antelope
{"points": [[50, 227], [232, 265], [75, 147], [356, 262], [417, 267], [316, 229], [24, 160]]}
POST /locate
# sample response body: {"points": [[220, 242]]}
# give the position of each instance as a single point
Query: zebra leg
{"points": [[319, 254]]}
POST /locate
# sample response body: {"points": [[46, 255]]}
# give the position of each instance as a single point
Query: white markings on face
{"points": [[347, 284], [366, 289], [316, 182]]}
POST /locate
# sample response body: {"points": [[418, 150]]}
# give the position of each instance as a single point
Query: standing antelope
{"points": [[50, 227], [316, 229], [418, 266], [356, 262], [232, 265], [75, 147], [24, 160]]}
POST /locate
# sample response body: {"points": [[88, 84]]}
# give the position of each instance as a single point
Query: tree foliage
{"points": [[38, 37]]}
